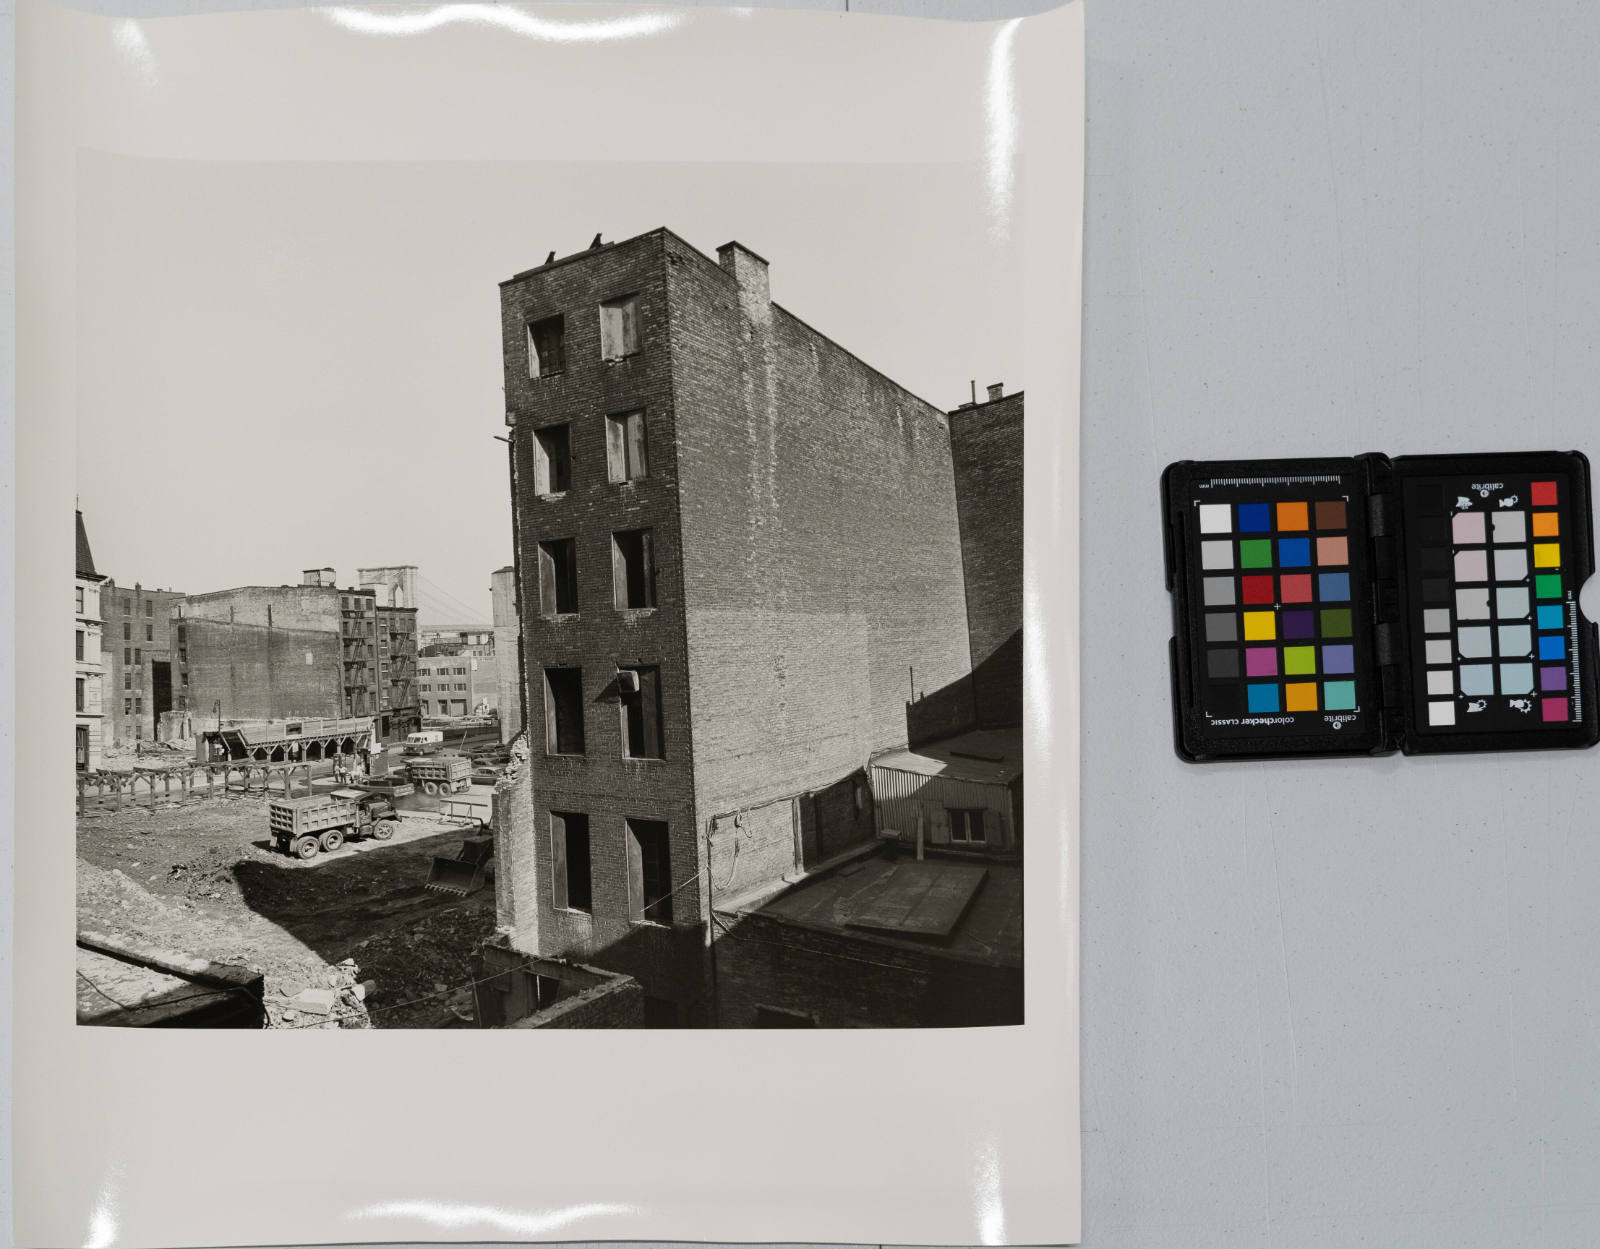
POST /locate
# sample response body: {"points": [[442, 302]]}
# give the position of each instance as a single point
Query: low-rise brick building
{"points": [[313, 649], [739, 560]]}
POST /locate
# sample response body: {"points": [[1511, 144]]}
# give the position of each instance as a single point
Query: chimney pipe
{"points": [[996, 390], [974, 390]]}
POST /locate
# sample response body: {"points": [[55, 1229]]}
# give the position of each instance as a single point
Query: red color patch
{"points": [[1544, 494], [1257, 589], [1297, 588]]}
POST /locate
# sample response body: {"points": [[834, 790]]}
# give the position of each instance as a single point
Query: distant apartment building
{"points": [[88, 670], [739, 557], [507, 651], [316, 649], [456, 684], [142, 681]]}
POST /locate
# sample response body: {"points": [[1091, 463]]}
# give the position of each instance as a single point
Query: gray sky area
{"points": [[294, 365]]}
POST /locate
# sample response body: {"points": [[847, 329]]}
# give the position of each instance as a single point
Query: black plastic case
{"points": [[1394, 514]]}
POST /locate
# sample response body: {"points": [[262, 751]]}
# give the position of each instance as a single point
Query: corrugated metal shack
{"points": [[964, 792]]}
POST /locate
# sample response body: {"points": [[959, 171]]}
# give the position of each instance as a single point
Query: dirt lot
{"points": [[203, 879]]}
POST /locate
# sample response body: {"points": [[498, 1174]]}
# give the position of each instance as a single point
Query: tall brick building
{"points": [[986, 448], [88, 668], [142, 678], [314, 649], [739, 559]]}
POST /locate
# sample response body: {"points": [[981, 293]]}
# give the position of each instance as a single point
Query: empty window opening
{"points": [[619, 328], [552, 460], [80, 693], [569, 855], [625, 447], [777, 1017], [639, 691], [633, 568], [558, 578], [80, 644], [649, 872], [563, 711], [547, 352], [966, 826]]}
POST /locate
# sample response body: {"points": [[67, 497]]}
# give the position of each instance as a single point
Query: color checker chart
{"points": [[1427, 604], [1275, 579], [1495, 604]]}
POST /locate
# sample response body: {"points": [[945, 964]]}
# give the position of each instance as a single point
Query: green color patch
{"points": [[1299, 660], [1547, 585], [1255, 553], [1336, 622]]}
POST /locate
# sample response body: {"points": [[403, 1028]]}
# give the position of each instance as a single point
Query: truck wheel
{"points": [[306, 848], [332, 839], [463, 786], [429, 788], [383, 830]]}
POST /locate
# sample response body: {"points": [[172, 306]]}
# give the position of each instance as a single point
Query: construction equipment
{"points": [[466, 872], [391, 784], [303, 826], [441, 774]]}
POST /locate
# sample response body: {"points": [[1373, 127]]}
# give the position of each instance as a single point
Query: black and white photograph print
{"points": [[541, 595]]}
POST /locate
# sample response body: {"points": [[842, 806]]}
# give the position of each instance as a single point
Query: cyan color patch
{"points": [[1339, 696], [1263, 698], [1552, 616]]}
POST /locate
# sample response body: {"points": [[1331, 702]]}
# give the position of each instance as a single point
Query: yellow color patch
{"points": [[1260, 626], [1547, 555], [1546, 524], [1301, 696]]}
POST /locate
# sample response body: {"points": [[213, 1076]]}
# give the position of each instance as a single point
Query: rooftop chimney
{"points": [[996, 390], [750, 272]]}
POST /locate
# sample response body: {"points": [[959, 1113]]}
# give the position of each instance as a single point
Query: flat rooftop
{"points": [[957, 906], [986, 756]]}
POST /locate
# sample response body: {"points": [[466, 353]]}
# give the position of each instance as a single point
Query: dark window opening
{"points": [[569, 855], [649, 872], [619, 327], [966, 826], [127, 631], [633, 568], [558, 577], [149, 608], [777, 1017], [149, 633], [80, 694], [552, 460], [563, 711], [639, 691], [546, 348], [80, 643], [625, 447]]}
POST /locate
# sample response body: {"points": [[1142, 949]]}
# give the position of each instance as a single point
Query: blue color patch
{"points": [[1294, 552], [1553, 647], [1255, 517], [1552, 616], [1333, 587], [1263, 698]]}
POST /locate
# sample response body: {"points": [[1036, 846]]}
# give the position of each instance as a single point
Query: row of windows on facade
{"points": [[638, 691], [127, 606], [127, 632], [443, 672], [443, 685], [649, 860], [633, 573], [627, 453], [619, 337]]}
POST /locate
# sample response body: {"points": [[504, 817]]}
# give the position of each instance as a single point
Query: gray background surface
{"points": [[1346, 1002]]}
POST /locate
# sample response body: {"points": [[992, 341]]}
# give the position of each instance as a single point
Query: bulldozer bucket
{"points": [[455, 876]]}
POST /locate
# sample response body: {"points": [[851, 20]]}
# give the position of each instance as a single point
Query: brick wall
{"points": [[508, 990], [822, 562], [845, 981], [986, 449], [127, 681], [602, 784], [503, 587], [261, 673]]}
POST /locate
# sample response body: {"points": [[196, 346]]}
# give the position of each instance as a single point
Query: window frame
{"points": [[970, 817], [82, 693], [536, 358], [620, 336], [564, 879], [627, 446], [548, 483], [621, 581], [558, 572], [552, 721], [638, 703], [659, 855]]}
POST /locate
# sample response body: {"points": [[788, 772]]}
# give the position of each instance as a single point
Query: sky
{"points": [[297, 365]]}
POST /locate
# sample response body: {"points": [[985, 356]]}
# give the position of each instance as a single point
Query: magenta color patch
{"points": [[1261, 661], [1553, 679], [1555, 709]]}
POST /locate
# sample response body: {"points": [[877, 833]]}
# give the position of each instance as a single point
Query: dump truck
{"points": [[441, 774], [303, 826]]}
